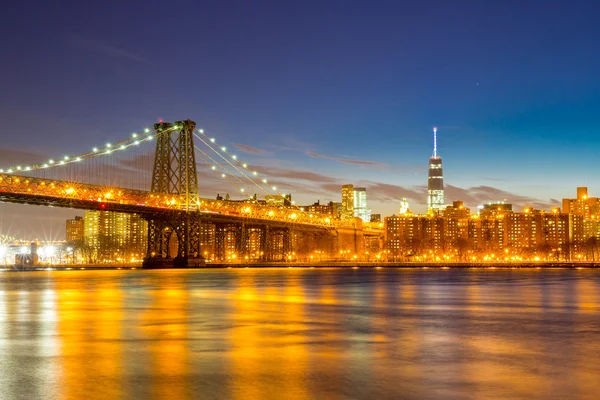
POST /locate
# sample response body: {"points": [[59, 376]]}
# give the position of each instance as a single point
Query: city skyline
{"points": [[516, 122]]}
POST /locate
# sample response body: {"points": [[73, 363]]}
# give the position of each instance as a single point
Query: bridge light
{"points": [[242, 189], [136, 142], [224, 148], [245, 165], [9, 171], [223, 175], [95, 149], [134, 135], [150, 137], [62, 162], [78, 159], [147, 130], [1, 171], [255, 173], [274, 187], [18, 168], [66, 158], [201, 130], [27, 168], [264, 181], [213, 167], [122, 147], [45, 166], [108, 145], [234, 157], [51, 161], [108, 151], [212, 139]]}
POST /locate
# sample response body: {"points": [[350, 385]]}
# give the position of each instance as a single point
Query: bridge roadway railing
{"points": [[29, 190]]}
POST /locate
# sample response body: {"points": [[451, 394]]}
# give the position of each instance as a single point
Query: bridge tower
{"points": [[175, 174]]}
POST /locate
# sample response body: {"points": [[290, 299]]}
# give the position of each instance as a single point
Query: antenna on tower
{"points": [[435, 142]]}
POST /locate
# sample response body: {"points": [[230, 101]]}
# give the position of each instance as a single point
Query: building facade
{"points": [[497, 235], [347, 210], [435, 181], [113, 237], [360, 209], [74, 229]]}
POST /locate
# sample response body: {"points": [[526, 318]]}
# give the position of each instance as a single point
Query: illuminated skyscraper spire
{"points": [[435, 183], [435, 142]]}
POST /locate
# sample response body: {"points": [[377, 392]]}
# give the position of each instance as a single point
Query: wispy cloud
{"points": [[251, 150], [343, 160], [288, 173], [107, 49], [12, 157]]}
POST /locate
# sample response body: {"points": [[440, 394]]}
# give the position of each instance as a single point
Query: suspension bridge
{"points": [[163, 189]]}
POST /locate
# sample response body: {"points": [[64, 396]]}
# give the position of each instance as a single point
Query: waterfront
{"points": [[299, 333]]}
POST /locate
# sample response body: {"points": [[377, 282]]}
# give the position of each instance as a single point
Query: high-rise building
{"points": [[435, 183], [587, 207], [111, 236], [321, 209], [493, 210], [347, 201], [457, 210], [400, 233], [404, 207], [278, 199], [360, 204], [74, 229]]}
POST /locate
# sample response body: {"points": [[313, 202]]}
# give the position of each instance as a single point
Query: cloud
{"points": [[11, 158], [343, 160], [251, 150], [379, 191], [477, 195], [281, 173], [107, 49]]}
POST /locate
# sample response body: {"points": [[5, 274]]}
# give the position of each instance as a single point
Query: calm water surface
{"points": [[300, 334]]}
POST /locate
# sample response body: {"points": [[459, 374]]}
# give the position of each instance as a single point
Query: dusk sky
{"points": [[316, 93]]}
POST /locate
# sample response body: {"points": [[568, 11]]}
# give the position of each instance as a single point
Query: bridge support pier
{"points": [[166, 250]]}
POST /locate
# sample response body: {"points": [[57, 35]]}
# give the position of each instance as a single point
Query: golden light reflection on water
{"points": [[165, 325], [300, 334], [90, 326], [267, 340]]}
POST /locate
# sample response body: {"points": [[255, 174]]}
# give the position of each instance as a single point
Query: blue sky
{"points": [[513, 87]]}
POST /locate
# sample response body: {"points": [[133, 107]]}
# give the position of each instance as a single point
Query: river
{"points": [[293, 333]]}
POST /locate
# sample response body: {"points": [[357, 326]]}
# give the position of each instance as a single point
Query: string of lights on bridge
{"points": [[243, 165], [135, 139], [254, 179]]}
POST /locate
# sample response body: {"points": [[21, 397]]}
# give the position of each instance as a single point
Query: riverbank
{"points": [[343, 265]]}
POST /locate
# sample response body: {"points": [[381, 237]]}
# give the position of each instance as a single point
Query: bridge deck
{"points": [[57, 193]]}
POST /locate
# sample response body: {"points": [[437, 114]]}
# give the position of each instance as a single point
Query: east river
{"points": [[294, 333]]}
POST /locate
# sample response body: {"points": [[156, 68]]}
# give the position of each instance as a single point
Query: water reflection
{"points": [[300, 334]]}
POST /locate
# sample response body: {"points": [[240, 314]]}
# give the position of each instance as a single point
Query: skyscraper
{"points": [[435, 184], [360, 204], [348, 201]]}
